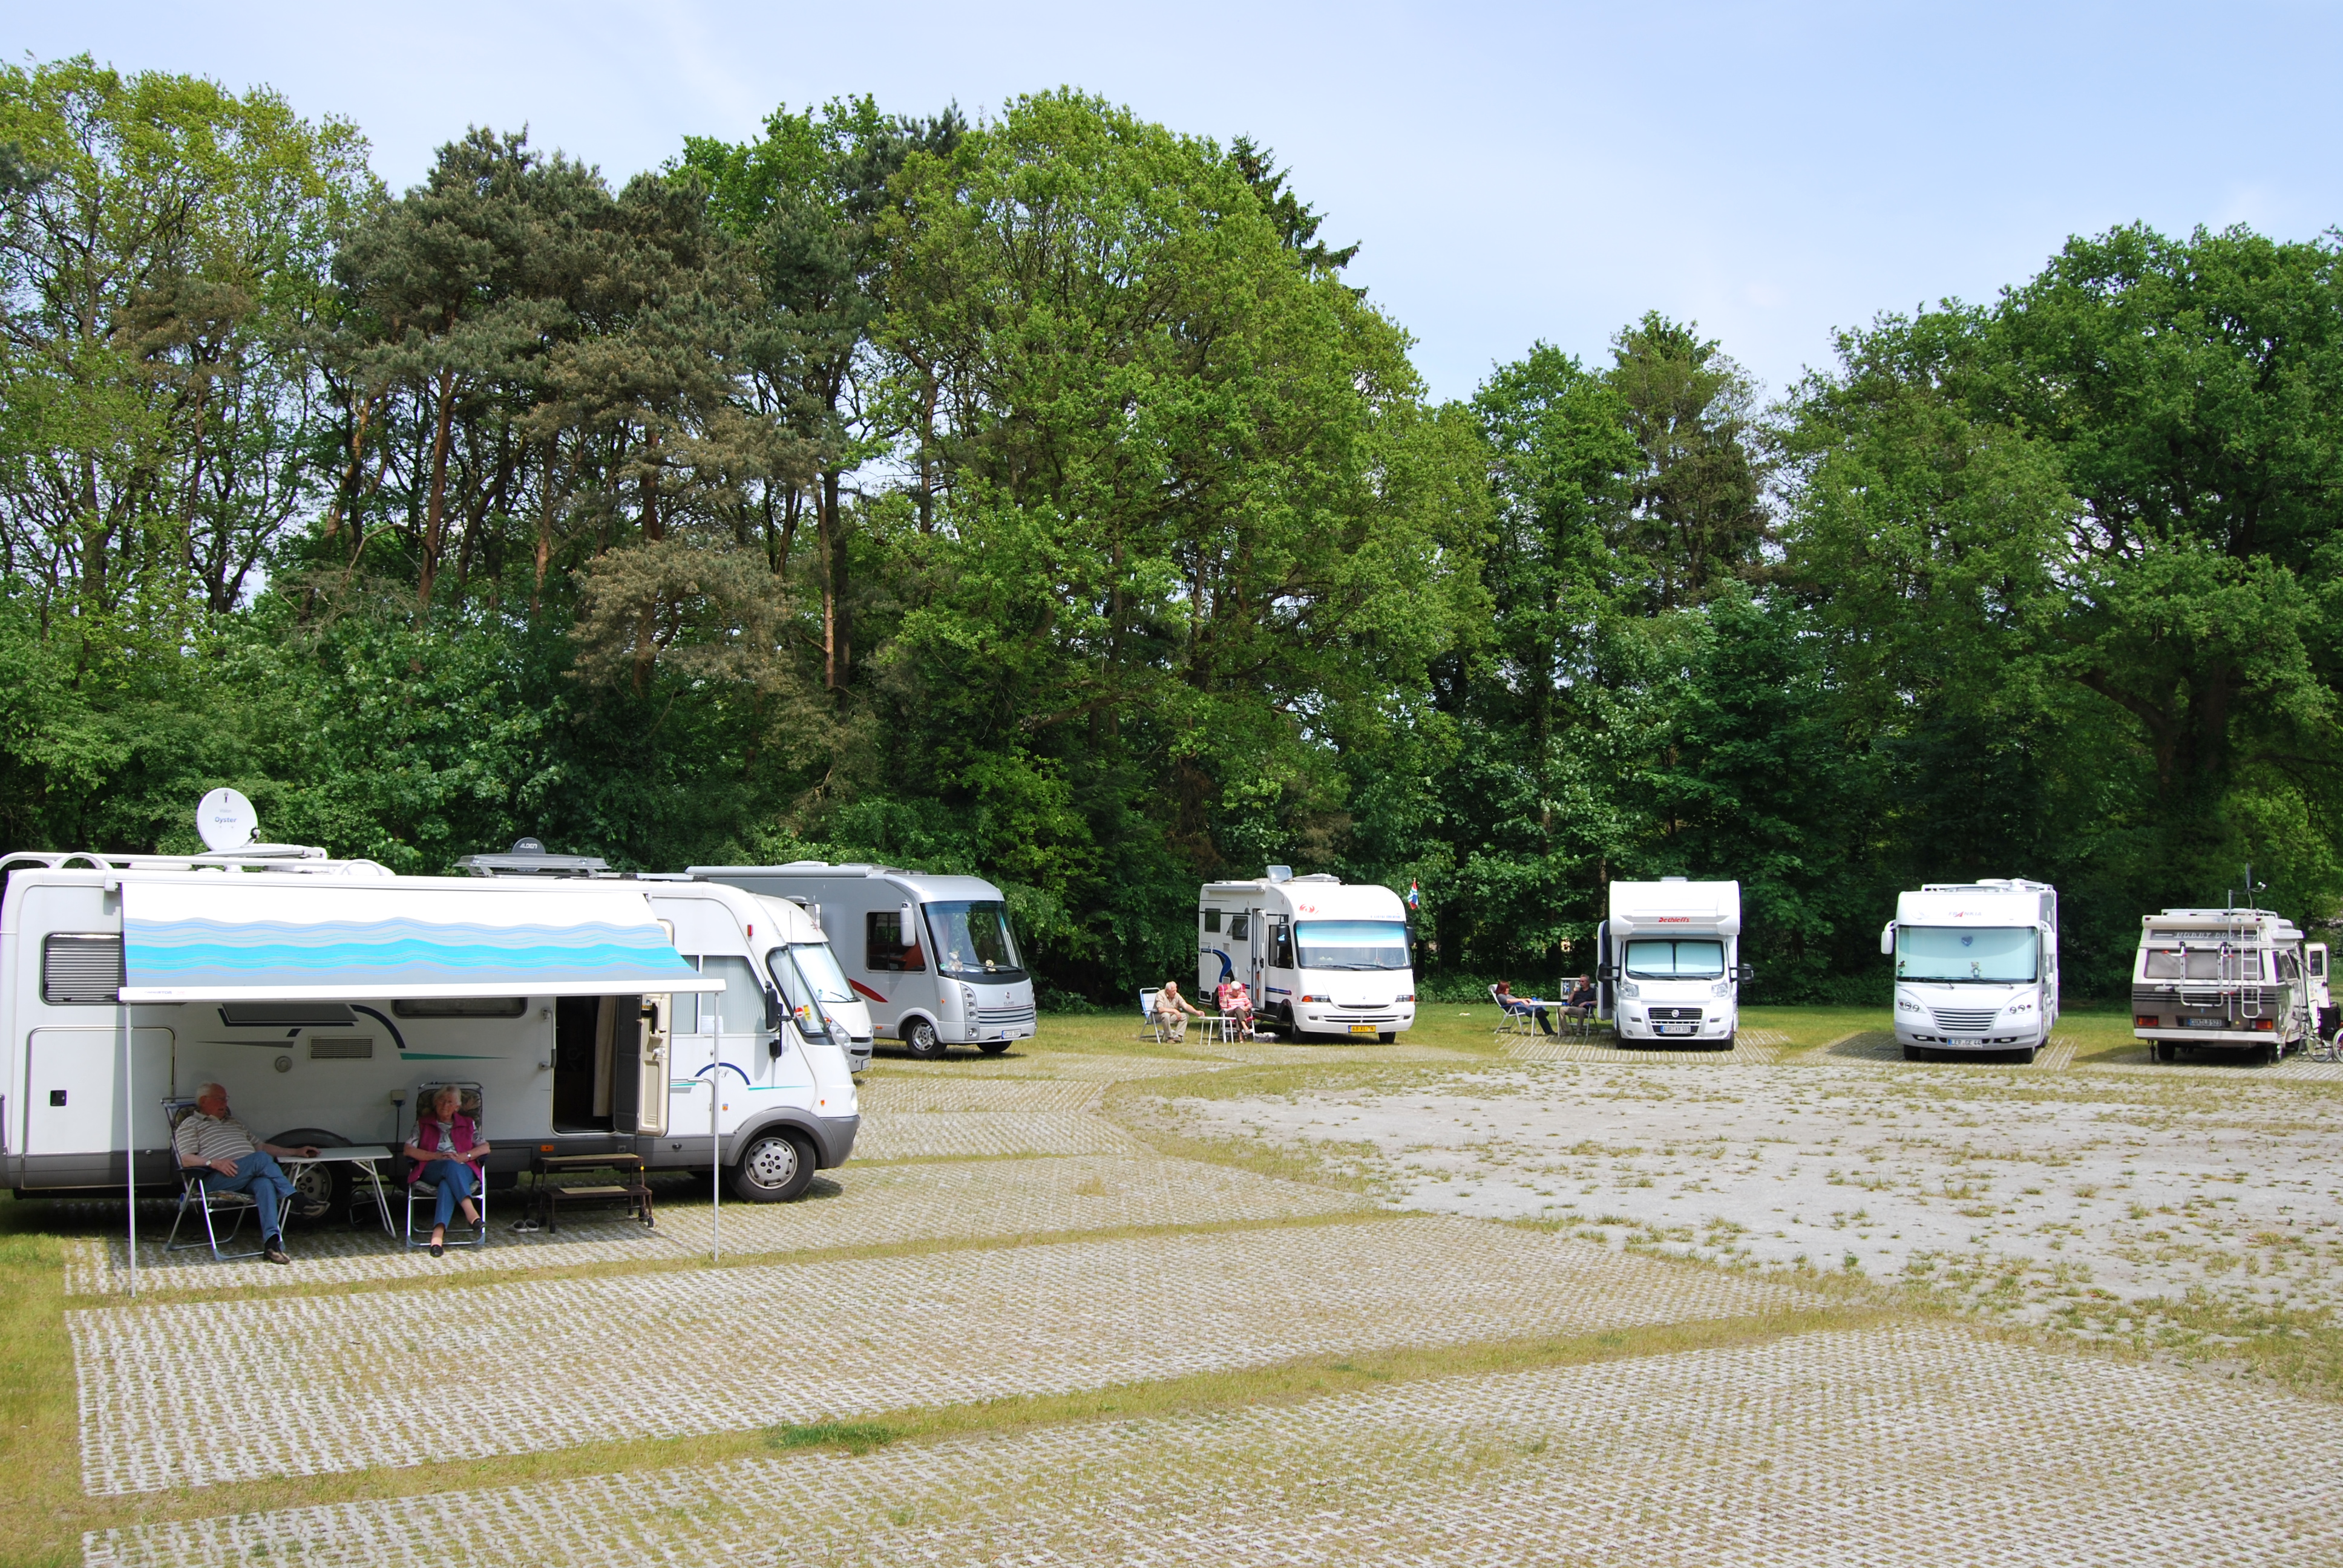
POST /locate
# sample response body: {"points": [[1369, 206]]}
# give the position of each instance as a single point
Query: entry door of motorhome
{"points": [[640, 1069]]}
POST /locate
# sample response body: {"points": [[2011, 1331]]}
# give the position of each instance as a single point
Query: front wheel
{"points": [[921, 1041], [1732, 1041], [775, 1168], [1914, 1053], [992, 1047], [2025, 1057]]}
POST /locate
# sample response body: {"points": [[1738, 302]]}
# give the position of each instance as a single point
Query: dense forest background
{"points": [[1032, 496]]}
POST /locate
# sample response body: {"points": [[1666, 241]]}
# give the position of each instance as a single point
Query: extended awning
{"points": [[264, 938]]}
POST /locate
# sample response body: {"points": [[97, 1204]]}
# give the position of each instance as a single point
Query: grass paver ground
{"points": [[197, 1393], [1910, 1446]]}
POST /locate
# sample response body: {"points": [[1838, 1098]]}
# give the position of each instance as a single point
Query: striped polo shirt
{"points": [[210, 1138]]}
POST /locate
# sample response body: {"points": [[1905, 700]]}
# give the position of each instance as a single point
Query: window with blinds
{"points": [[80, 971]]}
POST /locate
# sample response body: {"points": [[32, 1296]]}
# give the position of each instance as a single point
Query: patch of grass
{"points": [[857, 1437]]}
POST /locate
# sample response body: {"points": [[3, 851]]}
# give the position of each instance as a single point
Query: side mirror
{"points": [[1887, 938], [773, 1013], [1748, 973], [1606, 973]]}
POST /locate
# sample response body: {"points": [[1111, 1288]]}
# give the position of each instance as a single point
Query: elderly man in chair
{"points": [[212, 1141]]}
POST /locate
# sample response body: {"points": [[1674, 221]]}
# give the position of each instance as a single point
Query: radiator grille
{"points": [[1964, 1020], [80, 971], [1004, 1016], [1674, 1014]]}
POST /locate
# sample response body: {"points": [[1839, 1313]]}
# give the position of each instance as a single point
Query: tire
{"points": [[1732, 1041], [2025, 1057], [921, 1041], [2161, 1050], [1914, 1053], [1386, 1037], [775, 1168], [992, 1047], [319, 1189]]}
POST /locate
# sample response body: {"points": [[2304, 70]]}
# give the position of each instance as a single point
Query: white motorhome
{"points": [[1321, 957], [600, 1015], [2227, 980], [1668, 962], [1976, 966], [934, 956]]}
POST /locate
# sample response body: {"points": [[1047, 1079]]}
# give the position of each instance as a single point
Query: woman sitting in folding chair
{"points": [[447, 1151]]}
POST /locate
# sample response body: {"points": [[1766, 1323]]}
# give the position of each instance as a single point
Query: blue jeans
{"points": [[258, 1174], [456, 1180]]}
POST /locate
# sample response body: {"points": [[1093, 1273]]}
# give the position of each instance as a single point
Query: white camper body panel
{"points": [[1976, 965], [1262, 933], [568, 1073], [923, 991], [1658, 991], [2231, 980]]}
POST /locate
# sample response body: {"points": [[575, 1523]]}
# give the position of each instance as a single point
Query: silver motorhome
{"points": [[933, 956], [2226, 980], [597, 1016]]}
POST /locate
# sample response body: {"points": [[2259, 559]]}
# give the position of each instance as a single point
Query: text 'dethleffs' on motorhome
{"points": [[2227, 980], [597, 1015], [934, 956], [1320, 956], [1976, 966], [1668, 962]]}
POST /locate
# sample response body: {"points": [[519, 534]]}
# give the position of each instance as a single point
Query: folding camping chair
{"points": [[1513, 1020], [194, 1194], [1154, 1029], [420, 1192]]}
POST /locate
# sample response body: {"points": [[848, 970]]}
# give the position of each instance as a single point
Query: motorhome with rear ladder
{"points": [[1321, 957], [1668, 962], [1976, 966], [2229, 980], [593, 1013]]}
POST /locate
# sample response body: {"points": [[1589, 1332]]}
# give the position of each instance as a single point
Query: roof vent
{"points": [[1281, 874], [1672, 878], [529, 858]]}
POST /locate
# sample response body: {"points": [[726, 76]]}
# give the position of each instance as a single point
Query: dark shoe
{"points": [[276, 1253], [438, 1248]]}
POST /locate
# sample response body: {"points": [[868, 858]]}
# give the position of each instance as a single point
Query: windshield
{"points": [[972, 941], [1352, 944], [2000, 955], [810, 984], [1649, 960]]}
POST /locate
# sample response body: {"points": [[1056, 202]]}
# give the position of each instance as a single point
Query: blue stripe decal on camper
{"points": [[189, 954]]}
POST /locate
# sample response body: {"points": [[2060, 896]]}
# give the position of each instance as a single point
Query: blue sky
{"points": [[1512, 172]]}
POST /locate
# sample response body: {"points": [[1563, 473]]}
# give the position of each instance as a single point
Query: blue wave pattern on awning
{"points": [[399, 953]]}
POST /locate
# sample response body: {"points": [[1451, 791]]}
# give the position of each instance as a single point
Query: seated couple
{"points": [[446, 1151], [1174, 1011], [1578, 1003]]}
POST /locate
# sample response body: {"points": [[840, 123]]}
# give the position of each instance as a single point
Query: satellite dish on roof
{"points": [[225, 820]]}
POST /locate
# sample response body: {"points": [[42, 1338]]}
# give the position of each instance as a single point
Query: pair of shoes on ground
{"points": [[275, 1252]]}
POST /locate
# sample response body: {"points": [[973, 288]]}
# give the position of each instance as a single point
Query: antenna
{"points": [[226, 820]]}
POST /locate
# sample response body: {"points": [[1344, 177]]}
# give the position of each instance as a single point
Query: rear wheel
{"points": [[775, 1168], [921, 1040]]}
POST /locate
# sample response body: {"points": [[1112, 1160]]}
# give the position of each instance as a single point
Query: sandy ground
{"points": [[2029, 1197]]}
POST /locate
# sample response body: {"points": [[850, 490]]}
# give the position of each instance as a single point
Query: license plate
{"points": [[1964, 1040], [2204, 1024], [1676, 1029], [1362, 1028]]}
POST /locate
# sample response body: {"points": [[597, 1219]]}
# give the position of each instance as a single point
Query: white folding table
{"points": [[367, 1157]]}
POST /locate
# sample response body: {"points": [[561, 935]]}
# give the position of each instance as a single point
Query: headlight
{"points": [[1628, 989], [2019, 1007], [1904, 1004], [1722, 987], [967, 995]]}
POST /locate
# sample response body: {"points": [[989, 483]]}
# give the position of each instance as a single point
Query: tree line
{"points": [[1032, 496]]}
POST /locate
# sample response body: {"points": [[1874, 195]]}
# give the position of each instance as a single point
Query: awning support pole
{"points": [[129, 1146]]}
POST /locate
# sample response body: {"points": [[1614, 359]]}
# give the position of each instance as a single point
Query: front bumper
{"points": [[1919, 1034], [1348, 1020]]}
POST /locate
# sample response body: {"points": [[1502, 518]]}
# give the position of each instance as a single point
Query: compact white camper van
{"points": [[597, 1015], [1320, 956], [1669, 961], [2227, 980], [934, 956], [1976, 966]]}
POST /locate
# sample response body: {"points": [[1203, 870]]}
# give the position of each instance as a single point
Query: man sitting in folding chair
{"points": [[211, 1140]]}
